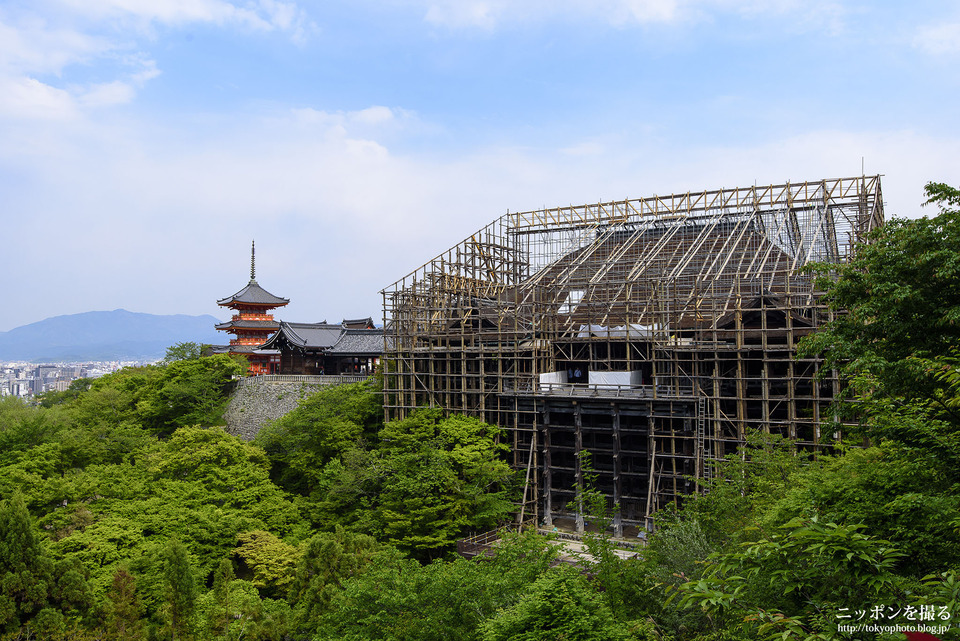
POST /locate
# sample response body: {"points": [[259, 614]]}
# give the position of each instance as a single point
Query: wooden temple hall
{"points": [[651, 333], [353, 347]]}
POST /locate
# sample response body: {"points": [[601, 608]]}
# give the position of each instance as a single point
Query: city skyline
{"points": [[143, 145]]}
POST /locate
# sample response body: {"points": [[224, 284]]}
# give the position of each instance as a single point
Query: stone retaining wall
{"points": [[254, 403]]}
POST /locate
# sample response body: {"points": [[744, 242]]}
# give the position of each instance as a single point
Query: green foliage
{"points": [[742, 486], [559, 605], [23, 427], [323, 427], [271, 561], [180, 590], [219, 615], [328, 561], [437, 478], [395, 599], [25, 570], [122, 610], [419, 483], [189, 392], [794, 583], [34, 590], [183, 351], [203, 487], [239, 612], [899, 300], [898, 495]]}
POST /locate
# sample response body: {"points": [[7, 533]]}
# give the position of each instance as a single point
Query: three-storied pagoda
{"points": [[252, 324]]}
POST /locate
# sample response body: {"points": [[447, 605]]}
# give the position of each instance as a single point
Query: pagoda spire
{"points": [[253, 261]]}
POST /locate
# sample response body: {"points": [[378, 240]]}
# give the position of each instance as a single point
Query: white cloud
{"points": [[464, 13], [107, 94], [942, 39], [267, 15], [32, 46], [345, 213], [29, 99], [589, 148], [374, 115], [488, 14], [37, 52]]}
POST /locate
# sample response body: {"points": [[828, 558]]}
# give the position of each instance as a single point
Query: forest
{"points": [[127, 513]]}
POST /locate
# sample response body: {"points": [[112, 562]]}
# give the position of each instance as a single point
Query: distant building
{"points": [[252, 324]]}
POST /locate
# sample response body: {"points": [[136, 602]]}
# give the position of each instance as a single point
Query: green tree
{"points": [[742, 487], [222, 578], [440, 477], [328, 561], [26, 572], [900, 495], [271, 560], [190, 392], [122, 608], [559, 605], [897, 304], [321, 429], [795, 583], [183, 351], [180, 590], [398, 599], [34, 589]]}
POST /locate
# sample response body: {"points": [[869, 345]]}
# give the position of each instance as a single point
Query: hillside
{"points": [[115, 335]]}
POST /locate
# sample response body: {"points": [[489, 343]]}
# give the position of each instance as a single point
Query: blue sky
{"points": [[145, 143]]}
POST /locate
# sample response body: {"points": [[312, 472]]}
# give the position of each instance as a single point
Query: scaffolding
{"points": [[653, 333]]}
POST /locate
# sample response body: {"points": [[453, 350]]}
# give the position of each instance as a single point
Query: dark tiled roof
{"points": [[253, 294], [306, 335], [358, 323], [359, 341], [210, 350], [248, 324], [242, 349]]}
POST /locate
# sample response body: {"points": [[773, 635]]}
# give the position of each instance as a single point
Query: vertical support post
{"points": [[578, 424], [547, 473], [651, 473], [617, 482]]}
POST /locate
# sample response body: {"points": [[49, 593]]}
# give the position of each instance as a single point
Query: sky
{"points": [[145, 143]]}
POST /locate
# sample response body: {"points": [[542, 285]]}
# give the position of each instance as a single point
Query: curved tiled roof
{"points": [[248, 324], [306, 335], [253, 294], [359, 341], [358, 323]]}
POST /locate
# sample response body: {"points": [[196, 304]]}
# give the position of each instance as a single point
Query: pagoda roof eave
{"points": [[253, 294], [248, 324]]}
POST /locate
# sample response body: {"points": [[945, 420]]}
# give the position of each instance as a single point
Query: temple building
{"points": [[353, 347], [252, 323]]}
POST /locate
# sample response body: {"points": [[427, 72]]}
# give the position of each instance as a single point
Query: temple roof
{"points": [[248, 324], [253, 294], [306, 335], [359, 341], [358, 323]]}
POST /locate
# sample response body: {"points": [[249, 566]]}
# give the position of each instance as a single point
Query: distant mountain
{"points": [[103, 336]]}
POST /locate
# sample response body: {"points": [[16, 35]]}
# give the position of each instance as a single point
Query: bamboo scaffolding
{"points": [[654, 333]]}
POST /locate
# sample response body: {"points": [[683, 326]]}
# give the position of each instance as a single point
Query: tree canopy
{"points": [[127, 513]]}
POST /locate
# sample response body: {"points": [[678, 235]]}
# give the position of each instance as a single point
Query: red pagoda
{"points": [[252, 324]]}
